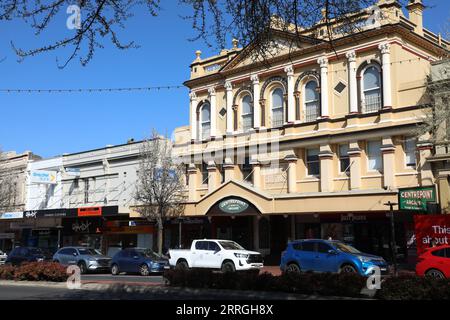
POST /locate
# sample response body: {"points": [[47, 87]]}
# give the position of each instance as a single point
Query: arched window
{"points": [[247, 113], [205, 121], [277, 108], [312, 106], [371, 89]]}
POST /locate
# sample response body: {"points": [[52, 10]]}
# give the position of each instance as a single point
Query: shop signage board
{"points": [[11, 215], [431, 228], [233, 205], [74, 172], [50, 213], [6, 235], [43, 177], [416, 198], [90, 212]]}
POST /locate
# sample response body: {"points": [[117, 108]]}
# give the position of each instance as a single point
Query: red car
{"points": [[435, 262]]}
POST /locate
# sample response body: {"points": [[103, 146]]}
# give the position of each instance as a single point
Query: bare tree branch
{"points": [[8, 190]]}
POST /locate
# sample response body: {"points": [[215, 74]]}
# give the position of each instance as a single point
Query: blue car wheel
{"points": [[292, 268], [348, 268], [144, 270]]}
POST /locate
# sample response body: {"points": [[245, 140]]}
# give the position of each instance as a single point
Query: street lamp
{"points": [[393, 242], [180, 220], [59, 228]]}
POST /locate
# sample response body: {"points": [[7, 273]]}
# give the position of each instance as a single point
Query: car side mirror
{"points": [[75, 254]]}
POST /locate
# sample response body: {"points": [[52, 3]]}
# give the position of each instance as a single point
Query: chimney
{"points": [[415, 11]]}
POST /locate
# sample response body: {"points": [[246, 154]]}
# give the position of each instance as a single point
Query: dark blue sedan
{"points": [[137, 260]]}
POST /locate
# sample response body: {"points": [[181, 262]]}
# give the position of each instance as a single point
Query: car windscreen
{"points": [[35, 251], [345, 248], [230, 245], [91, 252], [150, 254]]}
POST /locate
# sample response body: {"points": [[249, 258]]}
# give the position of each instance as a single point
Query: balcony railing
{"points": [[372, 103]]}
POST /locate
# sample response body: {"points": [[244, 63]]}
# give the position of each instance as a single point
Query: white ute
{"points": [[225, 255]]}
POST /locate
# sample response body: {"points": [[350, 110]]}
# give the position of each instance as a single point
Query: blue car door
{"points": [[306, 256], [122, 260], [326, 259]]}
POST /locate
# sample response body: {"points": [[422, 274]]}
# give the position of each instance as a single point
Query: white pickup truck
{"points": [[225, 255]]}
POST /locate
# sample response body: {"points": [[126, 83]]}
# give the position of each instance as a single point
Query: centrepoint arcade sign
{"points": [[233, 206], [416, 198]]}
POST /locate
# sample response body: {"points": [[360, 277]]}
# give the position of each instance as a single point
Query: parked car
{"points": [[20, 255], [3, 257], [87, 259], [138, 260], [434, 262], [224, 255], [328, 256]]}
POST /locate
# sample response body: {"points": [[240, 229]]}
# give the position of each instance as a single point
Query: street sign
{"points": [[11, 215], [233, 206], [44, 177], [416, 198]]}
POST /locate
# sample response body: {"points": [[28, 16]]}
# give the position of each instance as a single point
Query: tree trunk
{"points": [[160, 238]]}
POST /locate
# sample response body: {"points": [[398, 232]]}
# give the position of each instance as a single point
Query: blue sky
{"points": [[52, 124]]}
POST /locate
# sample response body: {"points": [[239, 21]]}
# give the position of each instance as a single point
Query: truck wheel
{"points": [[228, 266], [182, 265]]}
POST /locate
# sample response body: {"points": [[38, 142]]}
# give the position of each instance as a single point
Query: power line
{"points": [[92, 90]]}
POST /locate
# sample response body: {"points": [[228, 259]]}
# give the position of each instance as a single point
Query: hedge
{"points": [[414, 288], [34, 271]]}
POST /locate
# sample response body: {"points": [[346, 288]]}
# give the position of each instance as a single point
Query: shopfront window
{"points": [[344, 159], [312, 162], [374, 155]]}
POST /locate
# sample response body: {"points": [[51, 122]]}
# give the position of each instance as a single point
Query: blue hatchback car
{"points": [[328, 256], [138, 260]]}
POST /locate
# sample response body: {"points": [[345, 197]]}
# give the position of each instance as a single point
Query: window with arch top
{"points": [[205, 121], [247, 113], [277, 108], [312, 105], [371, 89]]}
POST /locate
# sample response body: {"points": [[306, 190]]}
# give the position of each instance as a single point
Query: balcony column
{"points": [[257, 181], [192, 176], [352, 85], [212, 100], [326, 168], [229, 98], [425, 148], [290, 93], [388, 151], [256, 108], [386, 66], [292, 173], [193, 107], [212, 176], [228, 168], [354, 153], [323, 62]]}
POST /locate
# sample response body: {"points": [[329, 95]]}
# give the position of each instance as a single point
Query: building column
{"points": [[257, 181], [352, 85], [326, 168], [193, 107], [388, 151], [212, 176], [290, 93], [228, 168], [229, 98], [323, 62], [354, 152], [424, 167], [192, 176], [212, 100], [386, 66], [256, 107], [444, 191], [292, 173]]}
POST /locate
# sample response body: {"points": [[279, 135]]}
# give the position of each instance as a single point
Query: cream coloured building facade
{"points": [[316, 144]]}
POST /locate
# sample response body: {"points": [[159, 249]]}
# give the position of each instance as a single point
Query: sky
{"points": [[53, 124]]}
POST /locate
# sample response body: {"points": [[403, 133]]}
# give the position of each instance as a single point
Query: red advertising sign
{"points": [[90, 212], [431, 228]]}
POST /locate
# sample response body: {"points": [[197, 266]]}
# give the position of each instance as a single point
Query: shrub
{"points": [[349, 285], [414, 288], [34, 271]]}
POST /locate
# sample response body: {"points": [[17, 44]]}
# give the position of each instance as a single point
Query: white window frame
{"points": [[409, 138], [307, 162], [363, 90], [380, 170], [305, 102], [201, 122], [250, 115], [282, 107], [339, 157]]}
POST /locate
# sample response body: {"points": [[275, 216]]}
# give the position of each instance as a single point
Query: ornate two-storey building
{"points": [[314, 141]]}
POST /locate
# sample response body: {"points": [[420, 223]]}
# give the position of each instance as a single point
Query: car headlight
{"points": [[241, 255], [92, 261], [364, 259]]}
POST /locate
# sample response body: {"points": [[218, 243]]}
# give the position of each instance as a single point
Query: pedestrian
{"points": [[433, 243]]}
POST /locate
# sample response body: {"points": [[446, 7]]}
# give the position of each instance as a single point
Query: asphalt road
{"points": [[15, 292]]}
